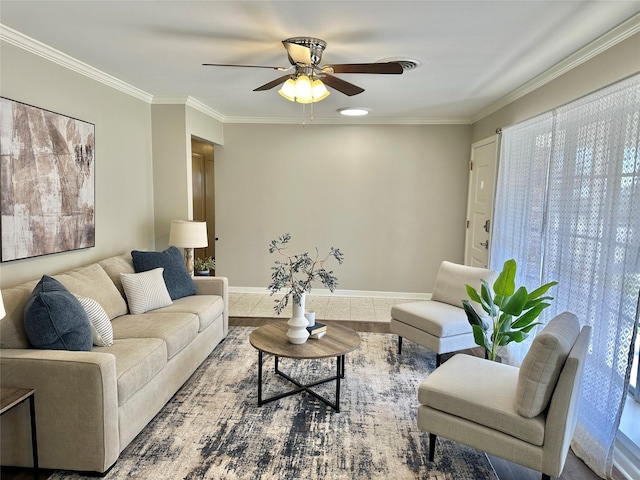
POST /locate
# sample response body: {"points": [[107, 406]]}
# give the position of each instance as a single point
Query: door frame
{"points": [[493, 139]]}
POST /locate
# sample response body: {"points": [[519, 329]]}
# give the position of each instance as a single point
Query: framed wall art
{"points": [[47, 180]]}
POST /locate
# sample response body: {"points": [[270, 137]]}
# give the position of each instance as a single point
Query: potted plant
{"points": [[294, 274], [202, 266], [512, 312]]}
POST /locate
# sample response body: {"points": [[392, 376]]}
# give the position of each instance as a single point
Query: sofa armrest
{"points": [[76, 403], [215, 286]]}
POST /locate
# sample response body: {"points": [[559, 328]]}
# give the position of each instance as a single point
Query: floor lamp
{"points": [[188, 235]]}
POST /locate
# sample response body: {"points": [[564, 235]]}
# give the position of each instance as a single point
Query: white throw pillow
{"points": [[101, 328], [145, 291]]}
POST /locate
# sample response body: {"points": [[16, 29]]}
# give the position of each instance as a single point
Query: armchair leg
{"points": [[399, 345], [545, 477], [432, 446]]}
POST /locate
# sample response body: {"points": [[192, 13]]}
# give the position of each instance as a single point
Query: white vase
{"points": [[298, 332]]}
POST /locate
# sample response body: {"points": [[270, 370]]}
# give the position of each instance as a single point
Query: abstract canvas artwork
{"points": [[47, 180]]}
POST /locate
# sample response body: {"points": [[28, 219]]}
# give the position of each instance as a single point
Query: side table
{"points": [[11, 397]]}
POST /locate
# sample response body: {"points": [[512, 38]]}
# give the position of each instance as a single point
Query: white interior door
{"points": [[483, 163]]}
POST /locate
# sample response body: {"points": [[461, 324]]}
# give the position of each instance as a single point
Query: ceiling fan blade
{"points": [[273, 83], [281, 69], [347, 88], [298, 53], [393, 68]]}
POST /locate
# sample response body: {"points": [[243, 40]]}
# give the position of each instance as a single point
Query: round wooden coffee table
{"points": [[272, 339]]}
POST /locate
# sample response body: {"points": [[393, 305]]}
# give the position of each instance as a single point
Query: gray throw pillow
{"points": [[176, 277], [543, 363], [55, 320]]}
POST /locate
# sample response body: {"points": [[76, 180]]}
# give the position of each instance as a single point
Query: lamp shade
{"points": [[318, 91], [2, 312], [303, 89], [288, 90], [188, 234]]}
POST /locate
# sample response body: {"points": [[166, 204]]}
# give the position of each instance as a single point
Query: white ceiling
{"points": [[473, 53]]}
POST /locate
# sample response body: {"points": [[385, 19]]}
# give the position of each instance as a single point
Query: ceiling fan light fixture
{"points": [[353, 111], [288, 90], [303, 89], [318, 90]]}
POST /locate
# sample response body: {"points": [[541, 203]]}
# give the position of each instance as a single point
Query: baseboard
{"points": [[626, 457], [341, 293]]}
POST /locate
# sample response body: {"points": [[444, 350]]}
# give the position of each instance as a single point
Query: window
{"points": [[573, 216]]}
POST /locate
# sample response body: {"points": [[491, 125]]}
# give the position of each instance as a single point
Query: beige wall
{"points": [[616, 63], [169, 169], [124, 189], [391, 197], [173, 126]]}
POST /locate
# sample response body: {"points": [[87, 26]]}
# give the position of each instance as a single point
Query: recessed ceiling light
{"points": [[353, 111]]}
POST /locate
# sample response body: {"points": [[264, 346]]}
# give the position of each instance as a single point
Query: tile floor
{"points": [[327, 307]]}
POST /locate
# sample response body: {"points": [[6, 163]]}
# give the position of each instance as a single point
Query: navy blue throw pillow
{"points": [[54, 318], [176, 277]]}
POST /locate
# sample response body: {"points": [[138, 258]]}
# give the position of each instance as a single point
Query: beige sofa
{"points": [[91, 405]]}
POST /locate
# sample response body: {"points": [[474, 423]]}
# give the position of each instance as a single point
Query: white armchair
{"points": [[525, 415], [441, 324]]}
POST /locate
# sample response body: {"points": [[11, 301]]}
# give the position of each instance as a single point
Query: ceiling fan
{"points": [[305, 54]]}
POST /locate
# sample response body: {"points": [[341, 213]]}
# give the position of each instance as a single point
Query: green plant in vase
{"points": [[512, 312], [202, 266], [295, 273]]}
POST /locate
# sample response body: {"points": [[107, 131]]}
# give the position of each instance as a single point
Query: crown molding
{"points": [[38, 48], [307, 120], [613, 37], [189, 102]]}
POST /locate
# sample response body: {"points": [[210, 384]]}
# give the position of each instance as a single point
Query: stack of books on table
{"points": [[317, 331]]}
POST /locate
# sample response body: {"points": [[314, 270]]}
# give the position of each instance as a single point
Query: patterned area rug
{"points": [[213, 428]]}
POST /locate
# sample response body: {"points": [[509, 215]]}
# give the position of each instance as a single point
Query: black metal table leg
{"points": [[34, 437], [259, 378], [302, 387], [339, 375]]}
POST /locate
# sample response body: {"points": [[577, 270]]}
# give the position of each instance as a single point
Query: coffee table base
{"points": [[301, 387]]}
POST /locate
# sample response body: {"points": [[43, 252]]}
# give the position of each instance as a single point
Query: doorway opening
{"points": [[203, 185]]}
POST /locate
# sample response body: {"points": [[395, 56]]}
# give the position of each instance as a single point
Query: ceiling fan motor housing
{"points": [[315, 45]]}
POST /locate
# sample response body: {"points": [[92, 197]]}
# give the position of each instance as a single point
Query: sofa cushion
{"points": [[145, 291], [436, 318], [206, 307], [101, 330], [176, 329], [114, 266], [93, 282], [178, 280], [55, 320], [138, 360], [12, 332], [541, 366]]}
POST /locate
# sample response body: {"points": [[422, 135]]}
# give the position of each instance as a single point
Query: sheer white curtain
{"points": [[519, 212], [590, 244]]}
